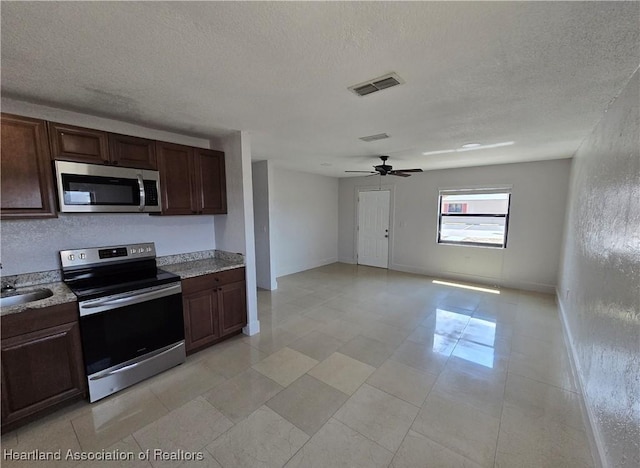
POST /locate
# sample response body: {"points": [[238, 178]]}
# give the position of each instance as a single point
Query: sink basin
{"points": [[16, 298]]}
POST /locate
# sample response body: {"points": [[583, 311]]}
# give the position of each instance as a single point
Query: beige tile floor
{"points": [[354, 367]]}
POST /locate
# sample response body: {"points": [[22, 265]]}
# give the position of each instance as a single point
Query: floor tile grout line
{"points": [[320, 428], [443, 446], [504, 395], [213, 456], [350, 396], [365, 436], [412, 423], [452, 449], [542, 382], [395, 396], [75, 432]]}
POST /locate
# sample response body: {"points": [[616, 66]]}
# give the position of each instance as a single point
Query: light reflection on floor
{"points": [[479, 336]]}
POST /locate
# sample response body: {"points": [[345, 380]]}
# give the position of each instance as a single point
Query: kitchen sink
{"points": [[17, 297]]}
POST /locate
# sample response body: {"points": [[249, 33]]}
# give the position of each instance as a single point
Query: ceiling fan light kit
{"points": [[384, 169]]}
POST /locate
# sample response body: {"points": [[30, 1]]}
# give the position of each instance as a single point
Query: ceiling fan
{"points": [[384, 169]]}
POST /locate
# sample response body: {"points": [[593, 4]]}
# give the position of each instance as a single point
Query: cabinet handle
{"points": [[115, 163]]}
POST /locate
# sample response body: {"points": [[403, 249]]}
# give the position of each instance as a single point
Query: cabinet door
{"points": [[79, 144], [175, 163], [131, 151], [26, 176], [40, 369], [210, 186], [233, 310], [200, 311]]}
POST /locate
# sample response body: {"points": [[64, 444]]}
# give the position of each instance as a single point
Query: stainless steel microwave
{"points": [[92, 188]]}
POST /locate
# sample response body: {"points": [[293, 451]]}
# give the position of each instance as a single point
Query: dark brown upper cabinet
{"points": [[210, 181], [26, 176], [78, 144], [175, 165], [131, 151], [192, 180]]}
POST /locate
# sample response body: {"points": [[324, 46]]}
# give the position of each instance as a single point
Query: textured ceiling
{"points": [[537, 74]]}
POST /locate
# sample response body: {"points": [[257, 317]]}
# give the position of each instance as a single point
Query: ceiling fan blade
{"points": [[367, 172], [409, 170], [400, 174]]}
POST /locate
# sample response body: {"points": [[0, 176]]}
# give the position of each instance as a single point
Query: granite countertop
{"points": [[186, 265], [193, 264], [61, 295], [205, 266]]}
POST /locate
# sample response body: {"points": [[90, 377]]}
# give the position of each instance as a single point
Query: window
{"points": [[474, 217]]}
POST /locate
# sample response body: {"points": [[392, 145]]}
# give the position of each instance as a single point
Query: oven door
{"points": [[120, 332]]}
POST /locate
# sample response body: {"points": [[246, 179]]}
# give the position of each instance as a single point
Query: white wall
{"points": [[33, 245], [234, 231], [265, 270], [304, 220], [530, 260], [599, 288]]}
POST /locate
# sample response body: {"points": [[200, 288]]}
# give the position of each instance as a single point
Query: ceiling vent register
{"points": [[379, 136], [376, 84]]}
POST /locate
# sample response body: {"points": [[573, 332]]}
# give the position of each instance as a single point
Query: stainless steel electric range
{"points": [[131, 322]]}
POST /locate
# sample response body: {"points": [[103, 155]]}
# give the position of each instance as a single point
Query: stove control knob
{"points": [[82, 256], [132, 251], [140, 250], [148, 249], [71, 257]]}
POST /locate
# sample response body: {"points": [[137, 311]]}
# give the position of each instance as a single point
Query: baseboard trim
{"points": [[309, 266], [596, 444], [348, 260], [485, 280]]}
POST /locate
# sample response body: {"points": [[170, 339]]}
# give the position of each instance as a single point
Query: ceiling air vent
{"points": [[376, 84], [379, 136]]}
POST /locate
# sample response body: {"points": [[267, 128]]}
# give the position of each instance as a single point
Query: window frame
{"points": [[469, 191]]}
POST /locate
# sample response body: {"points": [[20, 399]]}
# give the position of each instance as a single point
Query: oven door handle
{"points": [[134, 364], [101, 306]]}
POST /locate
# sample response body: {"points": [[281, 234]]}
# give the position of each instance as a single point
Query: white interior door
{"points": [[373, 228]]}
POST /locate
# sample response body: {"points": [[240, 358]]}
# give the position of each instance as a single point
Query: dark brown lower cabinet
{"points": [[201, 312], [233, 314], [42, 366], [214, 307]]}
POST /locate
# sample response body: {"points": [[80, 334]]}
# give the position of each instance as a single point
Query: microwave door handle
{"points": [[142, 194]]}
